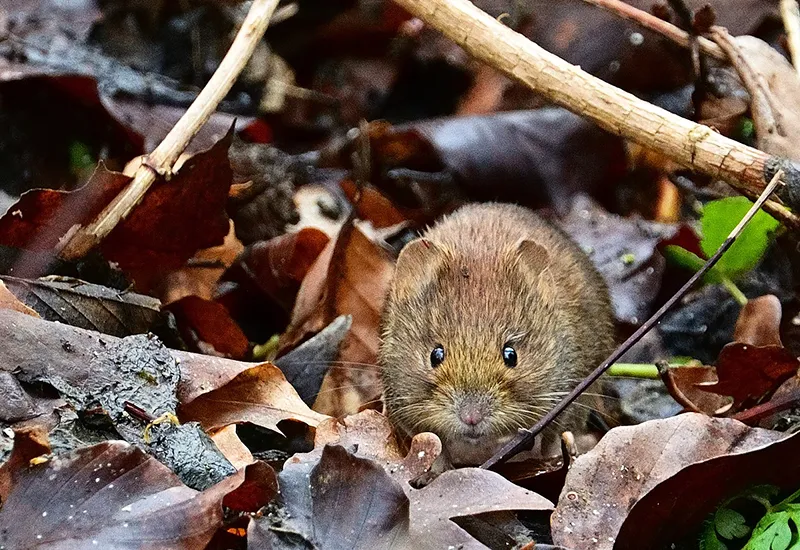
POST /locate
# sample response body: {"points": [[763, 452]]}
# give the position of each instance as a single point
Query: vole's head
{"points": [[473, 347]]}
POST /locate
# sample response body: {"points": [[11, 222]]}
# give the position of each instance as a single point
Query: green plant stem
{"points": [[634, 370], [737, 294]]}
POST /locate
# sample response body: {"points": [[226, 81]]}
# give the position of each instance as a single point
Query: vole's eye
{"points": [[437, 355], [509, 356]]}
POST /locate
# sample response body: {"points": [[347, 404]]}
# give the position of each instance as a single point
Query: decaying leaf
{"points": [[339, 500], [605, 483], [88, 306], [111, 495]]}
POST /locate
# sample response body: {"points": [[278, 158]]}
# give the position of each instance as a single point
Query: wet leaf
{"points": [[111, 495]]}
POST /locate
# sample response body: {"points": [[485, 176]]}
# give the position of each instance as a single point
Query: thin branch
{"points": [[161, 160], [525, 437], [790, 13], [693, 145], [664, 28]]}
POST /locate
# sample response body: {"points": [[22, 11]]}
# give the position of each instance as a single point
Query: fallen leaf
{"points": [[111, 495], [671, 510], [87, 305], [9, 301], [38, 348], [350, 277], [175, 219], [759, 322], [624, 252], [343, 501], [604, 484], [232, 447], [259, 395], [306, 366], [751, 374], [205, 322]]}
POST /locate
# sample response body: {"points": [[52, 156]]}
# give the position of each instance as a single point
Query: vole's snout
{"points": [[473, 410]]}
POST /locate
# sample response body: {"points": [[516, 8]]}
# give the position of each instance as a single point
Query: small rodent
{"points": [[492, 316]]}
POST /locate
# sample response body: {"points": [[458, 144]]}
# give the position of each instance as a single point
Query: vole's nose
{"points": [[471, 414]]}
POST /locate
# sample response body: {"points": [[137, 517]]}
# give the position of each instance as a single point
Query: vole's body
{"points": [[486, 278]]}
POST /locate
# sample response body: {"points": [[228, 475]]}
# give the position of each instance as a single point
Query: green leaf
{"points": [[691, 261], [709, 539], [771, 533], [730, 524], [719, 218]]}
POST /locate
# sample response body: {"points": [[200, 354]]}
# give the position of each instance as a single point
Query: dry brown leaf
{"points": [[603, 485], [232, 447], [9, 301], [759, 322], [259, 395], [351, 276]]}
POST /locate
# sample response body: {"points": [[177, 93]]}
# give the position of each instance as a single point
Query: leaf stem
{"points": [[734, 290], [634, 370]]}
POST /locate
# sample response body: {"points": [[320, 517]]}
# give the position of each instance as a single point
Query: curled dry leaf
{"points": [[751, 374], [684, 385], [276, 268], [759, 322], [259, 395], [605, 483], [111, 495], [87, 305], [351, 276]]}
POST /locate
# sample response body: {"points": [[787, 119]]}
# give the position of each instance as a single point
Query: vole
{"points": [[492, 316]]}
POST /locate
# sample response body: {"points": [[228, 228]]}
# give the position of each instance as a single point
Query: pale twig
{"points": [[664, 28], [693, 145], [790, 13], [162, 159], [525, 437]]}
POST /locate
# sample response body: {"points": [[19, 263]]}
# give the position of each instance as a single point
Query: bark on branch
{"points": [[693, 145]]}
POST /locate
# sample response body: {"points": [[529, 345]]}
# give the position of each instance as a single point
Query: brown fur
{"points": [[485, 275]]}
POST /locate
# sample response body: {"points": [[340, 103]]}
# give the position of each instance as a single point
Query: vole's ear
{"points": [[533, 258], [417, 267]]}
